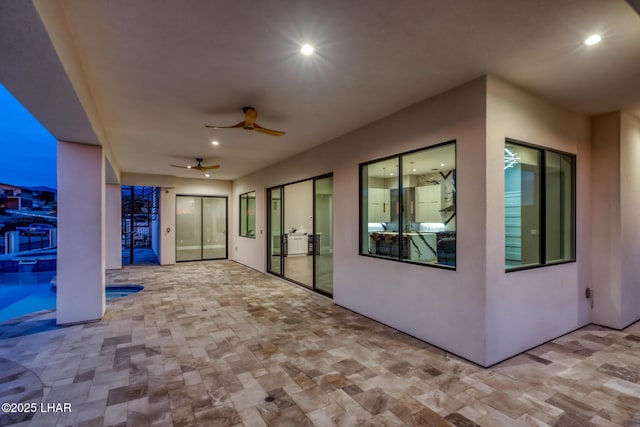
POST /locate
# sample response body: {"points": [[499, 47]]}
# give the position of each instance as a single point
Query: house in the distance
{"points": [[17, 197]]}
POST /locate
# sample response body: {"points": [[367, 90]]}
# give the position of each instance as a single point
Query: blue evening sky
{"points": [[28, 152]]}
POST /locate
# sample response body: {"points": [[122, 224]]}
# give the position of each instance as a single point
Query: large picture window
{"points": [[248, 214], [539, 206], [408, 207]]}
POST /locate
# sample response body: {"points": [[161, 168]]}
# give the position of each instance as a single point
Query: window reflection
{"points": [[408, 206]]}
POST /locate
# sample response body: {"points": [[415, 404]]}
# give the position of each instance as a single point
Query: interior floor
{"points": [[217, 343]]}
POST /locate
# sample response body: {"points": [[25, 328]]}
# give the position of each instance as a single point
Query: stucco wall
{"points": [[113, 232], [445, 308], [526, 308], [81, 236], [605, 191], [630, 218]]}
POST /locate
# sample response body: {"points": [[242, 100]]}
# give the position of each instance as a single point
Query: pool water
{"points": [[23, 293]]}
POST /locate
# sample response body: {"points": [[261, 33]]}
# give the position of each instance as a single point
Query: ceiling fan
{"points": [[249, 123], [198, 167]]}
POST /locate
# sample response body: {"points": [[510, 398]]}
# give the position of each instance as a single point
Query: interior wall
{"points": [[113, 234], [630, 217], [606, 202], [191, 187], [528, 307], [441, 306]]}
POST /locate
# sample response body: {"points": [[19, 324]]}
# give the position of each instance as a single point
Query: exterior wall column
{"points": [[167, 233], [81, 225], [616, 219], [113, 226]]}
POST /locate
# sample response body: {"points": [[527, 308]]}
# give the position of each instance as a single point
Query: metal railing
{"points": [[13, 242]]}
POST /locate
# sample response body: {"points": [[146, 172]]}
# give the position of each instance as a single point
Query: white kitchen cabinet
{"points": [[379, 200], [297, 244], [428, 203]]}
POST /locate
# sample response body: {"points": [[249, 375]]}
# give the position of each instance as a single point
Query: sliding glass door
{"points": [[201, 228], [323, 234], [300, 222], [214, 227]]}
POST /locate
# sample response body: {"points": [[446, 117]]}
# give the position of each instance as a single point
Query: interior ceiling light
{"points": [[441, 164], [207, 175], [593, 39], [510, 158], [215, 143], [307, 49]]}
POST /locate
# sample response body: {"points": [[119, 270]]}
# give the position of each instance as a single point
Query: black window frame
{"points": [[246, 214], [363, 225], [543, 207]]}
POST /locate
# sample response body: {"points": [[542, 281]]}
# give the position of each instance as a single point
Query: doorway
{"points": [[300, 223], [201, 228], [140, 225]]}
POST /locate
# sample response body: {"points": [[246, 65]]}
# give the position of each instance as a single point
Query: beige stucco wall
{"points": [[526, 308], [629, 218], [445, 308], [605, 191], [616, 219]]}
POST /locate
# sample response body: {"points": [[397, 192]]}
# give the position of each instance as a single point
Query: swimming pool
{"points": [[23, 293]]}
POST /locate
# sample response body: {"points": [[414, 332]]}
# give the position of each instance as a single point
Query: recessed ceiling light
{"points": [[307, 49], [414, 169], [593, 39], [207, 175], [215, 143], [188, 167], [391, 174], [441, 164]]}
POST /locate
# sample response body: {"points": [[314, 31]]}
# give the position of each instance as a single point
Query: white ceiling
{"points": [[150, 74]]}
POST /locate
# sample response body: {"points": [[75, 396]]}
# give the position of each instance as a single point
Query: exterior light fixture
{"points": [[593, 39], [307, 49]]}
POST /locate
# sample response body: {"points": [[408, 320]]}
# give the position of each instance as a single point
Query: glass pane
{"points": [[323, 237], [275, 230], [521, 205], [429, 206], [251, 214], [188, 228], [298, 226], [248, 214], [560, 207], [214, 227], [380, 207], [243, 214]]}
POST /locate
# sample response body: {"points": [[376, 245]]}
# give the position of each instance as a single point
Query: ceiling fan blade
{"points": [[182, 167], [259, 128], [239, 125], [210, 167]]}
